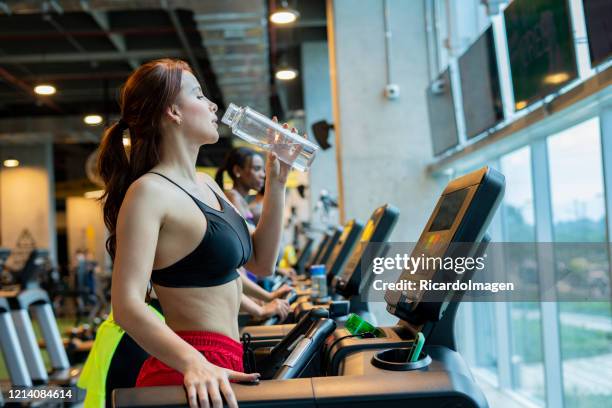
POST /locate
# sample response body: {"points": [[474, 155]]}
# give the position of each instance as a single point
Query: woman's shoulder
{"points": [[147, 184], [147, 192]]}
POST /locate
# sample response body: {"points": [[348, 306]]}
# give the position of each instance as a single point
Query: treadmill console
{"points": [[34, 268], [379, 227], [329, 246], [343, 248], [455, 229]]}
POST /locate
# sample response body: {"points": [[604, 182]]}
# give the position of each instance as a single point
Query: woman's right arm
{"points": [[140, 219]]}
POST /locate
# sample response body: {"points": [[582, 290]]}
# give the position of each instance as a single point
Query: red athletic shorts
{"points": [[218, 349]]}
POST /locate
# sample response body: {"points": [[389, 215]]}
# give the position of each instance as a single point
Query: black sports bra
{"points": [[226, 246]]}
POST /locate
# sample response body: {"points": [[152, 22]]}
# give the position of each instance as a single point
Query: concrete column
{"points": [[318, 106], [27, 197], [382, 146]]}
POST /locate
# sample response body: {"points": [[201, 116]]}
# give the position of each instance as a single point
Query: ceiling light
{"points": [[284, 14], [44, 89], [286, 74], [11, 163], [92, 119], [126, 141]]}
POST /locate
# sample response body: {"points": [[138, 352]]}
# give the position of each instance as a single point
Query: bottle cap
{"points": [[230, 114], [317, 270]]}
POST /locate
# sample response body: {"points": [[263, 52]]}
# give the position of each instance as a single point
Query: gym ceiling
{"points": [[87, 48]]}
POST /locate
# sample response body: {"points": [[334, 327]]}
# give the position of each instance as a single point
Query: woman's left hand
{"points": [[275, 168], [281, 292]]}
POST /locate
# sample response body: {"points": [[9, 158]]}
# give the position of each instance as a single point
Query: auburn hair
{"points": [[145, 96]]}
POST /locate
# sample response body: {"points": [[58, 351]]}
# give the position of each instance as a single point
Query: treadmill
{"points": [[329, 246], [378, 228], [344, 285], [304, 255], [29, 296], [344, 247], [338, 254], [370, 372], [320, 248]]}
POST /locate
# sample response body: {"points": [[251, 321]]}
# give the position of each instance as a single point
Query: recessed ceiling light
{"points": [[286, 74], [284, 16], [44, 89], [92, 119], [11, 163]]}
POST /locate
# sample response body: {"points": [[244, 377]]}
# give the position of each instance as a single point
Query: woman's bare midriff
{"points": [[212, 309]]}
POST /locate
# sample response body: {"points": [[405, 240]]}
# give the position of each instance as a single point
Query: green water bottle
{"points": [[356, 325]]}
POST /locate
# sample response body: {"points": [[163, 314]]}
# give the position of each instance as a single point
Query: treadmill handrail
{"points": [[305, 350]]}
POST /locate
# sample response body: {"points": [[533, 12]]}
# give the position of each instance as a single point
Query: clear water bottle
{"points": [[319, 281], [257, 129]]}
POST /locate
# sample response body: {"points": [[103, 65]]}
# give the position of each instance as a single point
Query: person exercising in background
{"points": [[174, 227], [246, 169], [256, 205]]}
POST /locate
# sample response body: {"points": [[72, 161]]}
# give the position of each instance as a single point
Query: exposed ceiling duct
{"points": [[234, 34]]}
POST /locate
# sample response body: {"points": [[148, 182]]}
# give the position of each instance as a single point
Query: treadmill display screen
{"points": [[598, 16], [449, 208]]}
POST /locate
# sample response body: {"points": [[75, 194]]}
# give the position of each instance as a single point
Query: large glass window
{"points": [[485, 336], [527, 363], [578, 211]]}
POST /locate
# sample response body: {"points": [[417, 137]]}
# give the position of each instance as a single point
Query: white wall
{"points": [[27, 197], [85, 228], [384, 146], [318, 106]]}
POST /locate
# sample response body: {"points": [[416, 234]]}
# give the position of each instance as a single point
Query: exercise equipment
{"points": [[29, 296], [439, 377]]}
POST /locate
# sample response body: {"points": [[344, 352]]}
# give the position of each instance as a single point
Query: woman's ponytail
{"points": [[145, 96], [114, 168]]}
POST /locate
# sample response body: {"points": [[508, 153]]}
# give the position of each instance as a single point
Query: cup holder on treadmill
{"points": [[397, 360]]}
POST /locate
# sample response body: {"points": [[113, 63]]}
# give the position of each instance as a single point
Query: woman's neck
{"points": [[241, 189], [178, 158]]}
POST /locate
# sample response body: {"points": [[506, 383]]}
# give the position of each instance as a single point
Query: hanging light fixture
{"points": [[44, 89], [11, 162], [286, 73], [284, 14], [93, 119]]}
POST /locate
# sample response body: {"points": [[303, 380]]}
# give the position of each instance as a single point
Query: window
{"points": [[578, 213], [526, 360]]}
